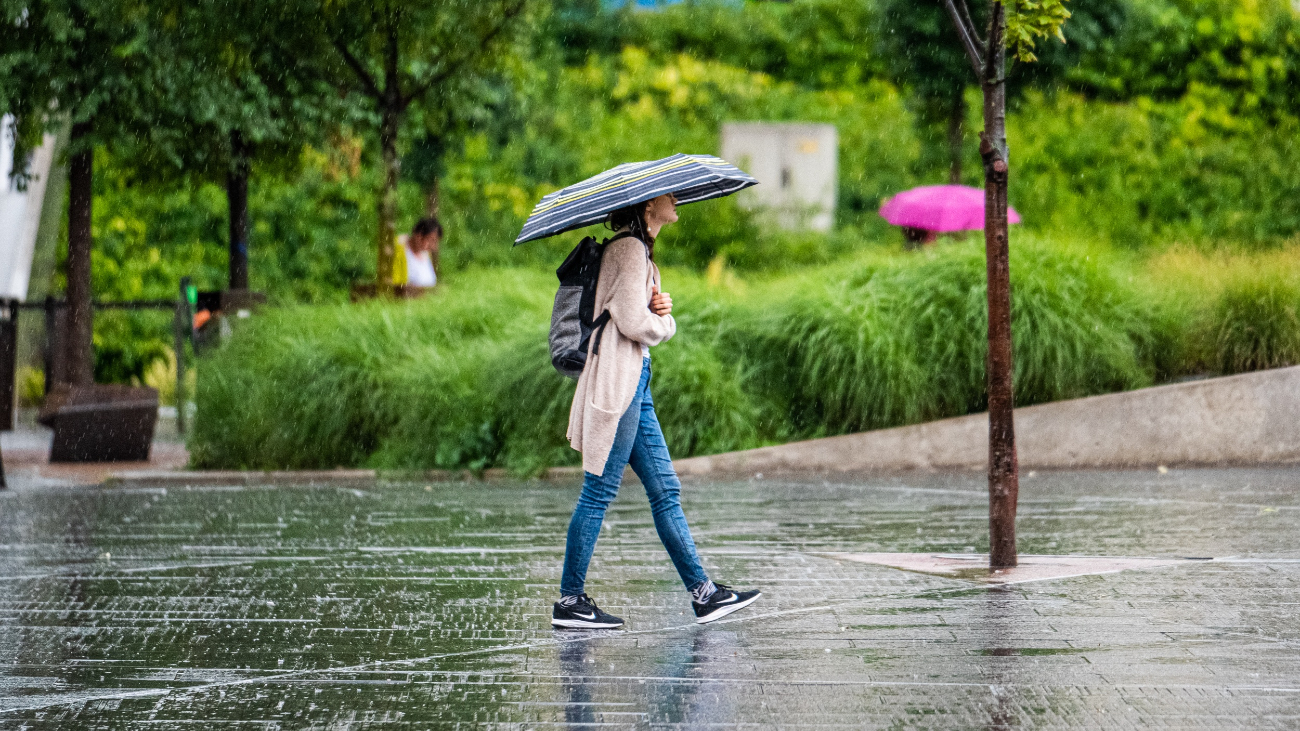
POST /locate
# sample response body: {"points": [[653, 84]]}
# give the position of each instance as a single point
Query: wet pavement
{"points": [[25, 450], [427, 605]]}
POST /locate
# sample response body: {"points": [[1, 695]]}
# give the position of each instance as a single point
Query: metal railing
{"points": [[52, 307]]}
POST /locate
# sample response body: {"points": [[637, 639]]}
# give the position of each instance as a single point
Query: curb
{"points": [[324, 478]]}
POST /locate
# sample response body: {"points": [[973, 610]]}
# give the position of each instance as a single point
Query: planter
{"points": [[101, 423]]}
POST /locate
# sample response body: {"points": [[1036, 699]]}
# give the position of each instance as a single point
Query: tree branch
{"points": [[392, 84], [447, 71], [997, 27], [357, 67], [965, 15], [965, 33]]}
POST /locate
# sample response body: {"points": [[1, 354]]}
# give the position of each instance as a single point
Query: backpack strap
{"points": [[598, 329], [620, 235], [598, 324]]}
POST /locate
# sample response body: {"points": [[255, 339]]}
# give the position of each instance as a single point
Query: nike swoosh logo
{"points": [[729, 601], [585, 616]]}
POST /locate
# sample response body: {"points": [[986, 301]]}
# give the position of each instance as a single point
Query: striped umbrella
{"points": [[690, 178]]}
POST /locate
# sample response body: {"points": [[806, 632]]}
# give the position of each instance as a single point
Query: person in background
{"points": [[419, 267], [915, 238]]}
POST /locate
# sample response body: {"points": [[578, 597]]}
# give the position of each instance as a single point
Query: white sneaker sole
{"points": [[582, 624], [723, 611]]}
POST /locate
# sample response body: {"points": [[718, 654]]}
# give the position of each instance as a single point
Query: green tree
{"points": [[1245, 55], [396, 56], [88, 63], [915, 40], [1012, 26], [817, 43], [225, 102]]}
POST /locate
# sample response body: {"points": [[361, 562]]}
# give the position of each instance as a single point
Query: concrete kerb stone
{"points": [[1248, 419], [1243, 420], [319, 478]]}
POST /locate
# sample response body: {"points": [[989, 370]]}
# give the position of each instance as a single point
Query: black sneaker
{"points": [[724, 601], [580, 612]]}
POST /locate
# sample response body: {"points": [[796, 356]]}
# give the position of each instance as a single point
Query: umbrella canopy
{"points": [[690, 178], [940, 208]]}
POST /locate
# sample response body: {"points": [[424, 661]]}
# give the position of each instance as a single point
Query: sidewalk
{"points": [[426, 605], [26, 454]]}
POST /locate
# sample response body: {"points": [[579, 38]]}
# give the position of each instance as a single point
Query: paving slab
{"points": [[975, 567], [426, 605]]}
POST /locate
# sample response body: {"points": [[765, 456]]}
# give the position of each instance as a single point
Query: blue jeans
{"points": [[639, 442]]}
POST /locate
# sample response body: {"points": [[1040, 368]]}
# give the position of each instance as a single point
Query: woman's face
{"points": [[426, 243], [661, 210]]}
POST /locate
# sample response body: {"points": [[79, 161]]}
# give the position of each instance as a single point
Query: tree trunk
{"points": [[431, 199], [389, 123], [1004, 481], [387, 203], [78, 341], [237, 200], [956, 122], [432, 203]]}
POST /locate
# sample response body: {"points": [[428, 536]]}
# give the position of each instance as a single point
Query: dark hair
{"points": [[426, 226], [633, 218]]}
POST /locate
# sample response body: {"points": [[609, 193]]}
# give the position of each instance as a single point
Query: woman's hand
{"points": [[661, 303]]}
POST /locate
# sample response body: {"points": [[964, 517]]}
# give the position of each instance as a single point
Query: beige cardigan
{"points": [[609, 380]]}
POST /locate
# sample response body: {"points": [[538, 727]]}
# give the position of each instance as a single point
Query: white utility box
{"points": [[796, 166]]}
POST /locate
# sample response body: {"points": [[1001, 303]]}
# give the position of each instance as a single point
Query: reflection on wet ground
{"points": [[414, 605]]}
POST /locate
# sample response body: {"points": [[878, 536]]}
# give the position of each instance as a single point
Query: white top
{"points": [[419, 269]]}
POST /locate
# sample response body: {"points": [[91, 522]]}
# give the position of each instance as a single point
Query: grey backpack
{"points": [[573, 317]]}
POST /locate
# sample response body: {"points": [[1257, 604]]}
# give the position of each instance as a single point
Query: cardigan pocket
{"points": [[617, 415]]}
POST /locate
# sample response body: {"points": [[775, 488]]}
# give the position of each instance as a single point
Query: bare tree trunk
{"points": [[237, 201], [78, 343], [956, 123], [1004, 480]]}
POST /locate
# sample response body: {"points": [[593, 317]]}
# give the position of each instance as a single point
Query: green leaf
{"points": [[1028, 20]]}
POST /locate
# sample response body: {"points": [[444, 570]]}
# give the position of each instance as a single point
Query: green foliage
{"points": [[407, 65], [90, 60], [1255, 323], [919, 45], [1182, 128], [371, 379], [462, 379], [224, 93], [896, 341], [30, 385], [309, 245], [1029, 20], [1138, 173], [1243, 55], [814, 43], [1218, 312]]}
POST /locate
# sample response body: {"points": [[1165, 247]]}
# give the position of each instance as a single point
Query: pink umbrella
{"points": [[940, 208]]}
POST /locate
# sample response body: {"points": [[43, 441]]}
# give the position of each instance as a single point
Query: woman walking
{"points": [[613, 423]]}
